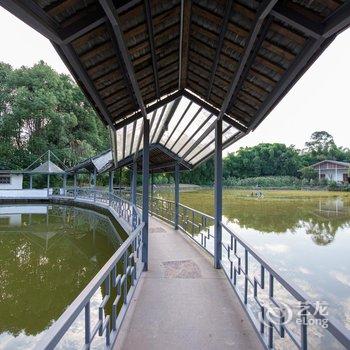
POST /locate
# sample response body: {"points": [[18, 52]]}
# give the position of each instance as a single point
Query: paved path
{"points": [[182, 302]]}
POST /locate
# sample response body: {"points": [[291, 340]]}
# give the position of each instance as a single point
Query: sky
{"points": [[319, 101]]}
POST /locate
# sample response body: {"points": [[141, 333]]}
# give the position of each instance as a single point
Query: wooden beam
{"points": [[338, 22], [296, 20], [184, 41], [152, 46], [112, 15], [251, 60], [223, 30], [149, 109], [263, 11], [73, 62]]}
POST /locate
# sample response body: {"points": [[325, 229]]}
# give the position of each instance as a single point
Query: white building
{"points": [[333, 170], [11, 181]]}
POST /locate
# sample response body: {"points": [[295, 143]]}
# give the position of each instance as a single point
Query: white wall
{"points": [[16, 183], [331, 174], [34, 193]]}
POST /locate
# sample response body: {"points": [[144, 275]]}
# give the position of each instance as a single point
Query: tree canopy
{"points": [[40, 110]]}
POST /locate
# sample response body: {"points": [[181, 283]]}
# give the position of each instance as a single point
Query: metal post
{"points": [[134, 183], [218, 195], [110, 183], [152, 185], [133, 192], [75, 185], [64, 184], [31, 181], [177, 196], [94, 184], [145, 192], [48, 185], [48, 175]]}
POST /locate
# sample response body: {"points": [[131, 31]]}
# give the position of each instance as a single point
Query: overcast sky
{"points": [[319, 101]]}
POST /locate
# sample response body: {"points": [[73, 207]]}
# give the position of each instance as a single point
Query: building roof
{"points": [[48, 167], [344, 164], [233, 59], [101, 162]]}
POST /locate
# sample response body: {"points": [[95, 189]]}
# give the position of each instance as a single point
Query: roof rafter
{"points": [[291, 76], [184, 41], [72, 61], [151, 43], [250, 61], [339, 21], [112, 15], [122, 66], [168, 118], [220, 43], [297, 21], [149, 109], [263, 11]]}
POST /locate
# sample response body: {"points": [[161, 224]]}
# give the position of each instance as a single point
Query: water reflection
{"points": [[47, 256]]}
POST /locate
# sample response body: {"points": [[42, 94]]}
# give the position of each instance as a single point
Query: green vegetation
{"points": [[274, 165], [40, 110]]}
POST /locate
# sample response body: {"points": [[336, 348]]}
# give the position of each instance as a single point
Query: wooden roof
{"points": [[236, 59]]}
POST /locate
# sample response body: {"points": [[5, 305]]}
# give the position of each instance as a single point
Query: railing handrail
{"points": [[341, 333], [58, 329]]}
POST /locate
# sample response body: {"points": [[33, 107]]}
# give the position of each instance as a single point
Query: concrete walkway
{"points": [[182, 302]]}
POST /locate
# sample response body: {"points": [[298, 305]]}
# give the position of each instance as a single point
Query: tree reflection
{"points": [[46, 261]]}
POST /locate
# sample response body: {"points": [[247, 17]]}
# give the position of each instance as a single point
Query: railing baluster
{"points": [[87, 323]]}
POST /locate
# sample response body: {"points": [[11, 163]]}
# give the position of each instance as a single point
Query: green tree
{"points": [[40, 110]]}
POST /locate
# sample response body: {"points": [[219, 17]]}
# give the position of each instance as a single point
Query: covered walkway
{"points": [[181, 302]]}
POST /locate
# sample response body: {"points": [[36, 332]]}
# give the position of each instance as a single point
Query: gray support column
{"points": [[145, 191], [30, 181], [75, 185], [134, 184], [218, 195], [177, 196], [110, 181], [133, 191], [64, 184], [152, 185], [94, 183], [48, 184]]}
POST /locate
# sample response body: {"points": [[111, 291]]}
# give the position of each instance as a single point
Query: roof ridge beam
{"points": [[263, 11], [185, 24], [112, 15]]}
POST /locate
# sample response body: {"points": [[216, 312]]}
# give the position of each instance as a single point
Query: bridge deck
{"points": [[182, 302]]}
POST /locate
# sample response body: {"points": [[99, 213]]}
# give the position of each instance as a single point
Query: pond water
{"points": [[304, 235], [48, 254]]}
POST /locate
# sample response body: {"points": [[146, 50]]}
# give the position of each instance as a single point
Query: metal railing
{"points": [[249, 274], [125, 210], [117, 279], [259, 287]]}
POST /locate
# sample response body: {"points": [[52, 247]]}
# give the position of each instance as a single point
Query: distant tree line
{"points": [[41, 110], [271, 159]]}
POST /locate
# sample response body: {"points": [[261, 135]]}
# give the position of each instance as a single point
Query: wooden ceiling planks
{"points": [[179, 44]]}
